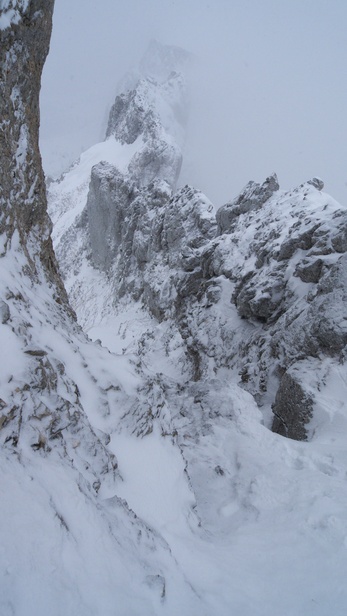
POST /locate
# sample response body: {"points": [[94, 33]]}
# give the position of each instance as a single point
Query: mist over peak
{"points": [[268, 89]]}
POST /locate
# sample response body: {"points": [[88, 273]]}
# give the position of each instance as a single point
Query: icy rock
{"points": [[251, 198], [45, 416], [304, 241], [293, 409], [109, 197], [309, 270], [339, 241], [188, 224], [260, 303], [156, 113], [158, 160], [23, 203], [234, 299], [317, 183], [4, 312], [128, 117], [329, 309]]}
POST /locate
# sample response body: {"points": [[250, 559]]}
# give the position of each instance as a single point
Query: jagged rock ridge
{"points": [[246, 290], [234, 320]]}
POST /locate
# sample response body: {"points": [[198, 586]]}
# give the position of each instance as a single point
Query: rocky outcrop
{"points": [[106, 224], [292, 408], [260, 304], [23, 50], [277, 266], [255, 300], [250, 199]]}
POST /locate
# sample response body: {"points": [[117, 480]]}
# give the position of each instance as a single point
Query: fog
{"points": [[268, 93]]}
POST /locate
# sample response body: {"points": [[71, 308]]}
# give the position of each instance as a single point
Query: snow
{"points": [[269, 534], [10, 12], [53, 560], [11, 359], [154, 484], [122, 331]]}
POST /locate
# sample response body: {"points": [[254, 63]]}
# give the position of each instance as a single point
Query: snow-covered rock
{"points": [[252, 290], [191, 505], [12, 12]]}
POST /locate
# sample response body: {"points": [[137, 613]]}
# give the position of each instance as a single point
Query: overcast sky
{"points": [[269, 92]]}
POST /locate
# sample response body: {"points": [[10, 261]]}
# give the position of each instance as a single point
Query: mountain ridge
{"points": [[144, 240], [144, 479]]}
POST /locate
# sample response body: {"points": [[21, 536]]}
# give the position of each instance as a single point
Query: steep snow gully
{"points": [[191, 460]]}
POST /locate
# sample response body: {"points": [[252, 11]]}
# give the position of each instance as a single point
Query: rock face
{"points": [[253, 290], [251, 199], [41, 405], [292, 408], [24, 47]]}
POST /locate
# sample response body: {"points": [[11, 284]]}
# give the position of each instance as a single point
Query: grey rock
{"points": [[190, 259], [165, 251], [109, 197], [303, 241], [317, 183], [128, 117], [260, 303], [329, 307], [44, 411], [309, 270], [293, 409], [254, 290], [213, 294], [250, 199], [339, 241], [188, 224], [4, 312], [158, 160], [23, 204]]}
